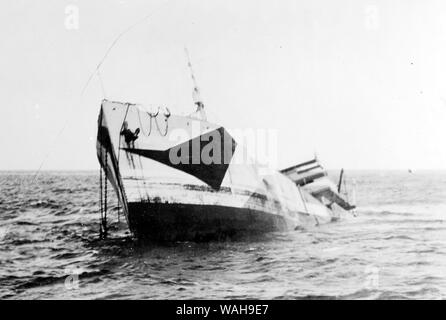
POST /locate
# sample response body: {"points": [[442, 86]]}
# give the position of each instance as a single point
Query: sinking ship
{"points": [[183, 178]]}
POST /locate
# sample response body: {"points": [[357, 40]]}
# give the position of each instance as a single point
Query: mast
{"points": [[196, 91]]}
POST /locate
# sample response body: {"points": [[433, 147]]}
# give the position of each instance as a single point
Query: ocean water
{"points": [[395, 248]]}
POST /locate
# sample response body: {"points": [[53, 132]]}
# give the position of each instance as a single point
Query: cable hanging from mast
{"points": [[103, 182], [101, 82], [37, 172], [100, 201], [115, 41]]}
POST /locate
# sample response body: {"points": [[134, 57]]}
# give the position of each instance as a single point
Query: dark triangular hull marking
{"points": [[210, 173]]}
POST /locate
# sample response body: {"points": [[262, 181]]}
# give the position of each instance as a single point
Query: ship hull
{"points": [[190, 222], [170, 191]]}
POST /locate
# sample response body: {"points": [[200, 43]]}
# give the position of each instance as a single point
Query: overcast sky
{"points": [[362, 83]]}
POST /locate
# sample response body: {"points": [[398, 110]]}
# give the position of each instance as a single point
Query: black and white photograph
{"points": [[222, 150]]}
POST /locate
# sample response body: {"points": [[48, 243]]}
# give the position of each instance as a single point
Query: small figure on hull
{"points": [[129, 136]]}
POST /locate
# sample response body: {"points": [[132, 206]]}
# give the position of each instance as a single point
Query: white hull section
{"points": [[148, 184]]}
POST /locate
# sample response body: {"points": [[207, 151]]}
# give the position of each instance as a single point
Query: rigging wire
{"points": [[101, 83], [116, 40], [141, 125], [104, 222], [120, 194], [101, 201], [159, 129], [36, 174], [103, 206], [122, 126], [96, 71]]}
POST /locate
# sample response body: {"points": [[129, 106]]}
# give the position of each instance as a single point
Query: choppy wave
{"points": [[394, 249]]}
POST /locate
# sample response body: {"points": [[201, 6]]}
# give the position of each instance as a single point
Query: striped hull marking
{"points": [[204, 195]]}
